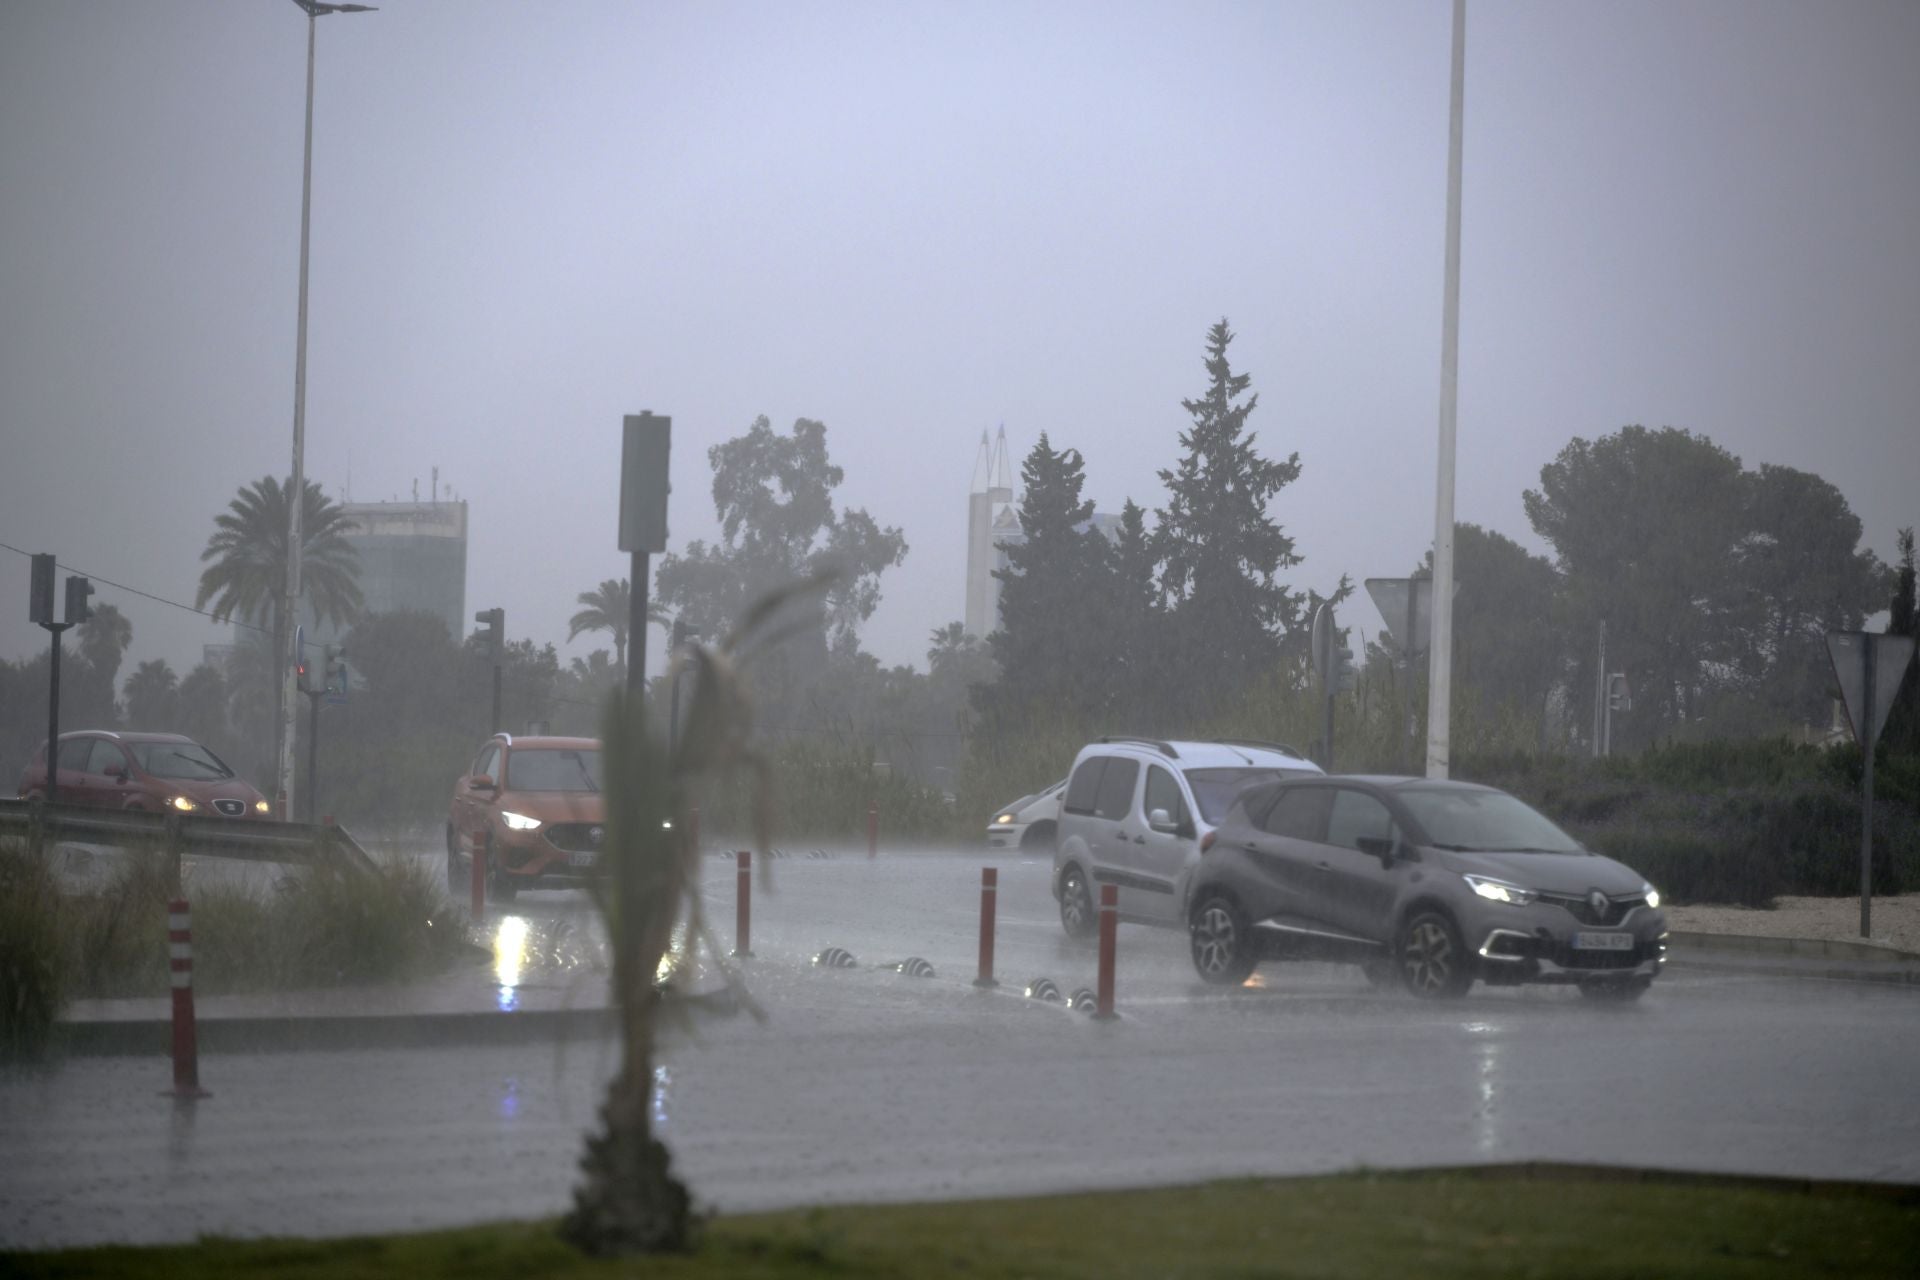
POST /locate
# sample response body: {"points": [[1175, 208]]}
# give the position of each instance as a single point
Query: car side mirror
{"points": [[1162, 821], [1380, 847], [117, 775], [481, 783]]}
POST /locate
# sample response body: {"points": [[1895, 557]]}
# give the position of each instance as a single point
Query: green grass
{"points": [[1545, 1221]]}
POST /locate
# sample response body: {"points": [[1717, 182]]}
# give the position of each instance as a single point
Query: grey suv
{"points": [[1134, 813], [1429, 883]]}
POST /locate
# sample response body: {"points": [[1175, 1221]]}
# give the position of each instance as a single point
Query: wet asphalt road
{"points": [[867, 1085]]}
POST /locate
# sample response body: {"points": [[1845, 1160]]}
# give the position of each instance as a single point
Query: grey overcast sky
{"points": [[916, 221]]}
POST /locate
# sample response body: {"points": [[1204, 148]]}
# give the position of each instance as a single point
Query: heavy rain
{"points": [[1006, 639]]}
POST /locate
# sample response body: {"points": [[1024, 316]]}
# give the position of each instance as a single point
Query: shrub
{"points": [[31, 973], [333, 925]]}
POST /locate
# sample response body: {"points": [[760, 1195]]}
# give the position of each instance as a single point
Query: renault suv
{"points": [[532, 807], [1134, 813], [1429, 884]]}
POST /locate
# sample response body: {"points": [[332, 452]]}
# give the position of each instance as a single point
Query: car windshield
{"points": [[553, 769], [1215, 790], [187, 761], [1484, 821]]}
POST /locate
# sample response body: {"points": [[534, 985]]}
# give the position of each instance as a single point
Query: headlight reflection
{"points": [[509, 959]]}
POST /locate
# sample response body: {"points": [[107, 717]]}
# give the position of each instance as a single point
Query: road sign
{"points": [[643, 483], [1323, 641], [1411, 630], [1869, 668]]}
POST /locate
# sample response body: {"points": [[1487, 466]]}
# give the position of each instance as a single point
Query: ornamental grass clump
{"points": [[628, 1200], [31, 979]]}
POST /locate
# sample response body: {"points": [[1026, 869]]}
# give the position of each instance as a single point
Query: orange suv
{"points": [[533, 807]]}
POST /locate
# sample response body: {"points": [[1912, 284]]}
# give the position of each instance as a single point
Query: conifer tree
{"points": [[1220, 552], [1055, 644]]}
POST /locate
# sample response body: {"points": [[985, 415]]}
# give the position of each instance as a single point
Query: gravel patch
{"points": [[1896, 921]]}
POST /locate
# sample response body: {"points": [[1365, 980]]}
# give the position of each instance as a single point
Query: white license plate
{"points": [[1603, 942], [582, 859]]}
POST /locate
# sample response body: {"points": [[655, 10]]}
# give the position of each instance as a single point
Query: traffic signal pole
{"points": [[40, 610], [313, 752]]}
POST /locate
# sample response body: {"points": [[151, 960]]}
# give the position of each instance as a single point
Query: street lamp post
{"points": [[297, 496], [1440, 667]]}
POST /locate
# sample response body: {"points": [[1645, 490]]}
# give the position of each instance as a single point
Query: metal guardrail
{"points": [[245, 839]]}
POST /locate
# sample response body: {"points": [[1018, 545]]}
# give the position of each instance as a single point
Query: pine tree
{"points": [[1056, 639], [1219, 550], [1139, 620]]}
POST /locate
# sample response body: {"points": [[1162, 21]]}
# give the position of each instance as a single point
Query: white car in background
{"points": [[1028, 823]]}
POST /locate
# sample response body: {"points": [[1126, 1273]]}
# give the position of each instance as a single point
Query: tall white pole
{"points": [[290, 613], [1440, 648]]}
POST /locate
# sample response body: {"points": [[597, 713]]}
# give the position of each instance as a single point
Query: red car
{"points": [[533, 806], [154, 772]]}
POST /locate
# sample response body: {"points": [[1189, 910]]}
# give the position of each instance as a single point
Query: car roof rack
{"points": [[1281, 747], [1164, 748]]}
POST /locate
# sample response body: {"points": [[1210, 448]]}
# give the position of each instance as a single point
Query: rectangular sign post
{"points": [[1869, 668], [646, 441], [1323, 666]]}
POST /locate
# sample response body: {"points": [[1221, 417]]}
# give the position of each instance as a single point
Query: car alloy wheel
{"points": [[1076, 905], [1433, 963], [1222, 942]]}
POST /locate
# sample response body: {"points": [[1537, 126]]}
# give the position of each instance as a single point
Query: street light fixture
{"points": [[296, 498]]}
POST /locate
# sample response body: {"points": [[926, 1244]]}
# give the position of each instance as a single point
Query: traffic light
{"points": [[300, 681], [1344, 675], [40, 603], [494, 637], [78, 589], [1619, 696]]}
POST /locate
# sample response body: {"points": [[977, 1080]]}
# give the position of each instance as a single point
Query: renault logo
{"points": [[1598, 903]]}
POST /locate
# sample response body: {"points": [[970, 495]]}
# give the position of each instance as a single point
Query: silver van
{"points": [[1134, 812]]}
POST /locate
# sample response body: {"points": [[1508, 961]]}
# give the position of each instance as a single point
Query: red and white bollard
{"points": [[186, 1049], [478, 861], [989, 886], [873, 828], [743, 903], [1109, 927]]}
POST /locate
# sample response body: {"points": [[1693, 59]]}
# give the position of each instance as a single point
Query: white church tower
{"points": [[990, 519]]}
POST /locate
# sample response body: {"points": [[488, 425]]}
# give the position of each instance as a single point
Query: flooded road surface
{"points": [[867, 1084]]}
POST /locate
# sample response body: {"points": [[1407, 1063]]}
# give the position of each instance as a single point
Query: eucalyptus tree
{"points": [[774, 496]]}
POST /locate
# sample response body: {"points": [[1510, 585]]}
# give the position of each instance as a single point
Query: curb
{"points": [[1830, 959], [137, 1037], [1864, 949]]}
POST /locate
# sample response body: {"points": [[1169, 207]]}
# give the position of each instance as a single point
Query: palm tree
{"points": [[608, 608], [104, 638], [248, 574], [152, 694]]}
